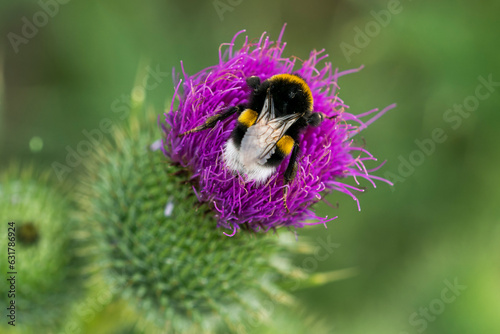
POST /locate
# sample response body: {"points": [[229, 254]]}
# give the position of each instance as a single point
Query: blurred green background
{"points": [[437, 226]]}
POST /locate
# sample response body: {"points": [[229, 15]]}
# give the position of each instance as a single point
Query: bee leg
{"points": [[290, 172], [212, 121]]}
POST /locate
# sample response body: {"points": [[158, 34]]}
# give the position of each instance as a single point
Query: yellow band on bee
{"points": [[248, 117], [285, 144]]}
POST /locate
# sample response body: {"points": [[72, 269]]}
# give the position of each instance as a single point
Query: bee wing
{"points": [[267, 112], [276, 130], [259, 142]]}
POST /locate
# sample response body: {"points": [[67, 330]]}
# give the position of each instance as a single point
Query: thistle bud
{"points": [[42, 263], [161, 247]]}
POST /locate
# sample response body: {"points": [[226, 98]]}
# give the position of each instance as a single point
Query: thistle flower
{"points": [[328, 154], [44, 252], [157, 247]]}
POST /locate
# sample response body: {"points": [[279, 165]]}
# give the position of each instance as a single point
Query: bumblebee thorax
{"points": [[290, 93]]}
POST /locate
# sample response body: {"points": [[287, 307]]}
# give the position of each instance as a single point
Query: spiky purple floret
{"points": [[327, 152]]}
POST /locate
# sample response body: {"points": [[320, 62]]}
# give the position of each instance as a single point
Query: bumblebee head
{"points": [[290, 94]]}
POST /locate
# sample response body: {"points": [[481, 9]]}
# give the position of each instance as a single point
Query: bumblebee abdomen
{"points": [[255, 152], [234, 160], [284, 147]]}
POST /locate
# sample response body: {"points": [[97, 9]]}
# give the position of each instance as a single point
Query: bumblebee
{"points": [[268, 127]]}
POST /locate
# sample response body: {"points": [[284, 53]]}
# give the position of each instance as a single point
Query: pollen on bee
{"points": [[285, 144], [248, 117]]}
